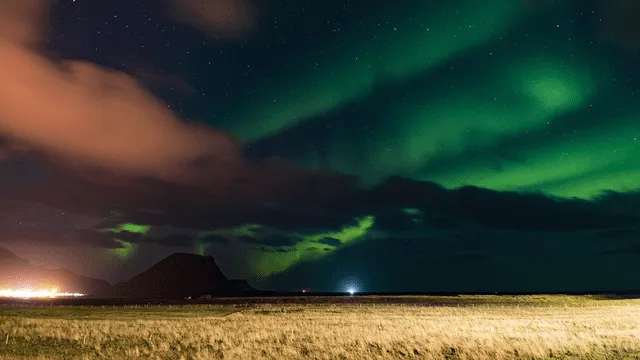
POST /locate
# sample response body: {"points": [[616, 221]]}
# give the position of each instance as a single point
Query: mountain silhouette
{"points": [[18, 273], [181, 276]]}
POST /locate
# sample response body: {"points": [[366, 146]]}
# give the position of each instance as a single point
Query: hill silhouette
{"points": [[8, 258], [16, 272], [180, 276]]}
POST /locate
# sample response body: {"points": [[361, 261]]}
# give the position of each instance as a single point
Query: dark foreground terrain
{"points": [[372, 327]]}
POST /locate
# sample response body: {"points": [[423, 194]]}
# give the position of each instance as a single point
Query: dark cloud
{"points": [[619, 233], [62, 236], [471, 261], [315, 209], [627, 251], [266, 249], [301, 202], [128, 236], [499, 243], [215, 239], [402, 208], [272, 240], [471, 206], [174, 240], [23, 221], [625, 203], [396, 219], [177, 240], [330, 241]]}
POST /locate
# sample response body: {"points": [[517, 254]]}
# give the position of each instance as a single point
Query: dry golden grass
{"points": [[557, 328]]}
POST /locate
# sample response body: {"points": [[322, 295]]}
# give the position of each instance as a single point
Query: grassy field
{"points": [[475, 327]]}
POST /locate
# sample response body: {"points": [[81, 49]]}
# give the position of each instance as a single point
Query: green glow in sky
{"points": [[142, 229], [554, 85], [415, 214], [309, 248], [133, 228], [232, 233], [412, 212], [517, 95], [581, 164], [362, 59], [126, 251], [201, 248], [494, 94]]}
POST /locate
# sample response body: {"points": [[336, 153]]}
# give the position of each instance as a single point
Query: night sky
{"points": [[383, 145]]}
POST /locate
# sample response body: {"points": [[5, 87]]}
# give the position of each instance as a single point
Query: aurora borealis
{"points": [[306, 143], [537, 93]]}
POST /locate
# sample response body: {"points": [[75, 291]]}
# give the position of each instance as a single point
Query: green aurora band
{"points": [[202, 246], [365, 58], [487, 94], [128, 249], [518, 97], [525, 110], [309, 248]]}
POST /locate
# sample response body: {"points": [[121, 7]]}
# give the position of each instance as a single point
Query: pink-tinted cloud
{"points": [[105, 142], [226, 18], [23, 21], [91, 116]]}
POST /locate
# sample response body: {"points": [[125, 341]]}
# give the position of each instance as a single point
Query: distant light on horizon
{"points": [[352, 290], [35, 294]]}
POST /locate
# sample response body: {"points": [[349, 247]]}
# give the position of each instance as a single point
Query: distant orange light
{"points": [[35, 294]]}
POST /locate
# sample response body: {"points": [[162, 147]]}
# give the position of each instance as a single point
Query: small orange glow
{"points": [[35, 294]]}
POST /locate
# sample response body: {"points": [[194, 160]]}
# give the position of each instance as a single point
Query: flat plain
{"points": [[411, 327]]}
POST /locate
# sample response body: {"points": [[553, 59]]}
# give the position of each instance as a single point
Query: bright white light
{"points": [[351, 290], [35, 294]]}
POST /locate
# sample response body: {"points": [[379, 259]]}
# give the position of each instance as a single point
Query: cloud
{"points": [[23, 221], [401, 208], [177, 240], [159, 81], [330, 241], [404, 214], [472, 260], [91, 116], [215, 239], [77, 137], [106, 142], [489, 209], [59, 236], [23, 21], [272, 240], [94, 117], [221, 18]]}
